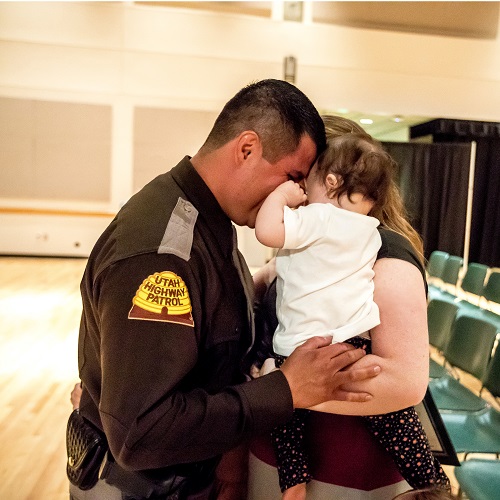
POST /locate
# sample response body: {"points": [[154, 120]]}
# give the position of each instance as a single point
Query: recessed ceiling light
{"points": [[366, 121], [398, 119]]}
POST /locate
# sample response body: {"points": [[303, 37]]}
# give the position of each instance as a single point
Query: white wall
{"points": [[127, 56]]}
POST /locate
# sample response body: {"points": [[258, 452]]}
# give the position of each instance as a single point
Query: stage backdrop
{"points": [[485, 222], [433, 179]]}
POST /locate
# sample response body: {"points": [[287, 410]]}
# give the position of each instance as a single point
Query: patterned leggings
{"points": [[400, 433]]}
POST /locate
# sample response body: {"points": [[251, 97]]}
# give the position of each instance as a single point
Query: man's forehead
{"points": [[306, 153]]}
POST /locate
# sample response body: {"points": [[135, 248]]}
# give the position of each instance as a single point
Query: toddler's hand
{"points": [[268, 367], [292, 192]]}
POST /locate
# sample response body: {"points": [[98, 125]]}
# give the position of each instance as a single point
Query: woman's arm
{"points": [[399, 344]]}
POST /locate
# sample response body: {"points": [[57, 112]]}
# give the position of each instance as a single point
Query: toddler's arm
{"points": [[270, 226]]}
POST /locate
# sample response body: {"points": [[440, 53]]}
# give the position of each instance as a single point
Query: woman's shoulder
{"points": [[396, 246]]}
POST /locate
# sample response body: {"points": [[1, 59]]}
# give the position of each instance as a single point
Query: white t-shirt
{"points": [[325, 275]]}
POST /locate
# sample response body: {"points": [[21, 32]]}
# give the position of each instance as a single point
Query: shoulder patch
{"points": [[162, 297], [178, 237]]}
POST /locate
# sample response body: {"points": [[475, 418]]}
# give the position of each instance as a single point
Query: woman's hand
{"points": [[76, 394], [264, 277]]}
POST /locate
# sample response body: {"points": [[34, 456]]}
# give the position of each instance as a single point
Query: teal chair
{"points": [[487, 293], [491, 380], [473, 282], [471, 289], [450, 395], [485, 315], [435, 270], [491, 294], [447, 290], [452, 270], [435, 264], [470, 344], [479, 479], [492, 288], [469, 348], [478, 432], [440, 317], [474, 432]]}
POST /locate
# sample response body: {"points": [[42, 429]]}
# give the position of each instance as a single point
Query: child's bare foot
{"points": [[297, 492]]}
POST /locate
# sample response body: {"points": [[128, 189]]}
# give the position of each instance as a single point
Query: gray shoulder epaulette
{"points": [[178, 237]]}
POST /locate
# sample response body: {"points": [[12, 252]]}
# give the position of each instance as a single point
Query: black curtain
{"points": [[433, 179], [485, 229], [485, 224]]}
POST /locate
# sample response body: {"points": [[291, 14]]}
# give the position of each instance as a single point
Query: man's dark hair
{"points": [[277, 111]]}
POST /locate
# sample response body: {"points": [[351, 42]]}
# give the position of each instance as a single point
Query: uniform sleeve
{"points": [[153, 413]]}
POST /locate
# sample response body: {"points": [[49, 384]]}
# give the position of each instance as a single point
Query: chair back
{"points": [[479, 478], [452, 269], [473, 281], [490, 419], [440, 317], [470, 345], [435, 265], [492, 288], [491, 379]]}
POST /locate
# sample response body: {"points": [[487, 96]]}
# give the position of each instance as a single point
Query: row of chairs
{"points": [[479, 479], [478, 285], [468, 345], [464, 329]]}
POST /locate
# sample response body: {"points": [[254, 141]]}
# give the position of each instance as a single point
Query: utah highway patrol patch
{"points": [[162, 297]]}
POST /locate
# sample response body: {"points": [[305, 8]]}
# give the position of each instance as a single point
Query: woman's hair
{"points": [[372, 174], [426, 494], [338, 125], [277, 111]]}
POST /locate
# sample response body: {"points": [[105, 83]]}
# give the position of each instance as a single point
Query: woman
{"points": [[346, 461]]}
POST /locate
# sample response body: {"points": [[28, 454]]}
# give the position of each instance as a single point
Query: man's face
{"points": [[260, 178]]}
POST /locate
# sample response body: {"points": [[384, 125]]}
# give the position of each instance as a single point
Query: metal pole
{"points": [[470, 196]]}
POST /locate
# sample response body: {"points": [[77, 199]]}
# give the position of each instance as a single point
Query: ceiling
{"points": [[462, 19], [452, 19], [385, 127]]}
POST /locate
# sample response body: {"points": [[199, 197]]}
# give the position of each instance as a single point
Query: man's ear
{"points": [[248, 145]]}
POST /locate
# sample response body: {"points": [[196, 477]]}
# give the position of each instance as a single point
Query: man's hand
{"points": [[315, 372], [76, 394]]}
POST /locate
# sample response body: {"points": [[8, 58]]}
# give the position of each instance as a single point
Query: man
{"points": [[166, 317]]}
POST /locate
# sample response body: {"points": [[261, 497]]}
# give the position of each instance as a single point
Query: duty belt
{"points": [[139, 486]]}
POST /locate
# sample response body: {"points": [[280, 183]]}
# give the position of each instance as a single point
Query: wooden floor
{"points": [[39, 316]]}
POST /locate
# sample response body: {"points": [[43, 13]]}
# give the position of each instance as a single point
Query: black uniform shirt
{"points": [[164, 330]]}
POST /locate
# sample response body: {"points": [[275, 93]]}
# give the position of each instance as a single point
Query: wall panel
{"points": [[139, 64], [54, 150], [162, 137]]}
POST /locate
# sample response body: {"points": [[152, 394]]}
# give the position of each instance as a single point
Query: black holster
{"points": [[171, 484]]}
